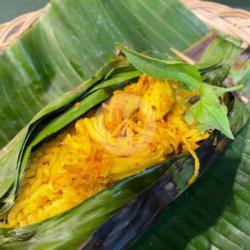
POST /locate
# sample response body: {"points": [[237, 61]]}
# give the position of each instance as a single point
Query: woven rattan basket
{"points": [[217, 16]]}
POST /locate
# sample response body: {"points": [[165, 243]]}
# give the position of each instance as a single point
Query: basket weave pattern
{"points": [[10, 31], [223, 18], [216, 16]]}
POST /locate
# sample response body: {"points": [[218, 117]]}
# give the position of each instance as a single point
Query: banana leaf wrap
{"points": [[168, 180]]}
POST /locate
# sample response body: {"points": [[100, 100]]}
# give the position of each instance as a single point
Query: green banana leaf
{"points": [[72, 40]]}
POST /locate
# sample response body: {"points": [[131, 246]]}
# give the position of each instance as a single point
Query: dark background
{"points": [[12, 8]]}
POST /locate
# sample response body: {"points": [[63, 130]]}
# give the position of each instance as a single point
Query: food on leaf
{"points": [[139, 127], [97, 148]]}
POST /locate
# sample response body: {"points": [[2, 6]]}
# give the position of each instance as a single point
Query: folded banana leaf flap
{"points": [[122, 212]]}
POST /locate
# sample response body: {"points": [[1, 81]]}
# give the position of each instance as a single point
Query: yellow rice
{"points": [[140, 126]]}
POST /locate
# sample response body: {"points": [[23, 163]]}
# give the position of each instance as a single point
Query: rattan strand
{"points": [[10, 31], [216, 16], [223, 18]]}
